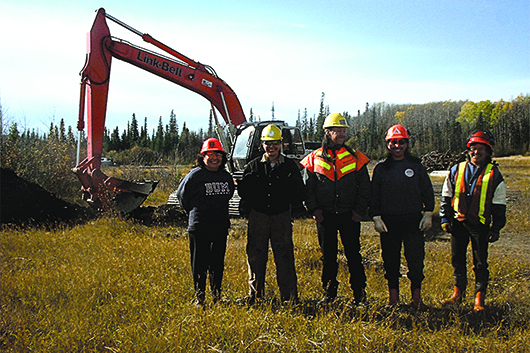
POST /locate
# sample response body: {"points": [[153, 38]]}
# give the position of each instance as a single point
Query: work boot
{"points": [[457, 297], [479, 301], [393, 296], [199, 300], [416, 299], [331, 292]]}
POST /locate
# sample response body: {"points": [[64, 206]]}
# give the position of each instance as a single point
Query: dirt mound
{"points": [[24, 203]]}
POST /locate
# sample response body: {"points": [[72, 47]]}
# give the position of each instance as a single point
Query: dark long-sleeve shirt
{"points": [[400, 187], [271, 189], [204, 195]]}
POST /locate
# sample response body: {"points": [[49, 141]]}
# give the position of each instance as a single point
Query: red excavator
{"points": [[105, 192]]}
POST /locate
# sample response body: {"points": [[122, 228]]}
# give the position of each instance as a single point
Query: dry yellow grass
{"points": [[114, 286]]}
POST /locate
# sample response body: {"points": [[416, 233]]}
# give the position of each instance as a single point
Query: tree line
{"points": [[436, 126]]}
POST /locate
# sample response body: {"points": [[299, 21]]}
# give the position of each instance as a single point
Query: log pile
{"points": [[435, 160]]}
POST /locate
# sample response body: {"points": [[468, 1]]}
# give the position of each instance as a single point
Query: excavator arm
{"points": [[98, 189]]}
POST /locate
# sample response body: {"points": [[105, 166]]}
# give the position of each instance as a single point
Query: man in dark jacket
{"points": [[271, 184], [338, 196], [401, 206]]}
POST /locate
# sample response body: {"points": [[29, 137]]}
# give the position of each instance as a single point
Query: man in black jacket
{"points": [[338, 194], [271, 184]]}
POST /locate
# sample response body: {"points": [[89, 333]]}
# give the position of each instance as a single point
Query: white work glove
{"points": [[379, 225], [426, 221]]}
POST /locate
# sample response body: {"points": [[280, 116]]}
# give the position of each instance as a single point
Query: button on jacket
{"points": [[271, 189]]}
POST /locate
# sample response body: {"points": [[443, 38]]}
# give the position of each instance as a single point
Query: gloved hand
{"points": [[493, 236], [426, 221], [447, 227], [317, 215], [355, 216], [379, 225]]}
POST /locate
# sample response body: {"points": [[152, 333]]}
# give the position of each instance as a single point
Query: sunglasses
{"points": [[214, 154], [398, 142], [272, 143]]}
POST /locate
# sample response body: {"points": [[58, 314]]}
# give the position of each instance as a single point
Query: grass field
{"points": [[114, 286]]}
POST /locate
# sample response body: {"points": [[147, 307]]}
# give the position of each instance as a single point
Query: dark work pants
{"points": [[403, 230], [461, 235], [277, 229], [350, 233], [207, 255]]}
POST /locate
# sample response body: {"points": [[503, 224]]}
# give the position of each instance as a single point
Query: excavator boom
{"points": [[98, 189]]}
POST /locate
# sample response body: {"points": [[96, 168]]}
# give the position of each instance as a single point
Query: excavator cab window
{"points": [[292, 141], [242, 145]]}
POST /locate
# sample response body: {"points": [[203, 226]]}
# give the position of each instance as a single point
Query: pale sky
{"points": [[277, 52]]}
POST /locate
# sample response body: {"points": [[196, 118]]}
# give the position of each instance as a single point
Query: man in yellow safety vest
{"points": [[473, 209]]}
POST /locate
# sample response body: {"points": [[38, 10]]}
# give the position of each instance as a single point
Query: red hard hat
{"points": [[211, 145], [397, 132], [481, 136]]}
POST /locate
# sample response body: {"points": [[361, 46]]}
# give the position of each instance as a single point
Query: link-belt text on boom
{"points": [[164, 65]]}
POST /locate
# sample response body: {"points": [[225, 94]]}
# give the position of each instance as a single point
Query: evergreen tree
{"points": [[134, 135], [62, 131], [144, 137], [159, 138], [319, 133], [211, 130], [115, 141]]}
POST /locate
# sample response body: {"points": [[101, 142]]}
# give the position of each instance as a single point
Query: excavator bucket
{"points": [[103, 192], [130, 195]]}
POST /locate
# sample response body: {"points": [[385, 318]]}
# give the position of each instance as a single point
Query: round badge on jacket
{"points": [[409, 172]]}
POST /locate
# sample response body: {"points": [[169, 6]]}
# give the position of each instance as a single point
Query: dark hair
{"points": [[199, 162], [408, 156], [326, 145]]}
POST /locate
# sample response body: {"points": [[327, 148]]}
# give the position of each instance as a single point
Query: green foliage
{"points": [[441, 126], [46, 160]]}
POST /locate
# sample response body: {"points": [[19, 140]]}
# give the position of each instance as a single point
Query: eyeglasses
{"points": [[399, 142], [214, 154], [272, 143], [477, 149]]}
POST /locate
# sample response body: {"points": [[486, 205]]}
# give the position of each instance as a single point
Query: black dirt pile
{"points": [[164, 215], [24, 203]]}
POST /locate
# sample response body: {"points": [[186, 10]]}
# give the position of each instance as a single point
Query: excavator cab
{"points": [[247, 144]]}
